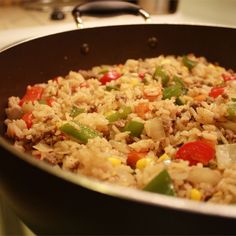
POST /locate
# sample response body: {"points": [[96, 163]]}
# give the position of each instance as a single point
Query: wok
{"points": [[51, 201]]}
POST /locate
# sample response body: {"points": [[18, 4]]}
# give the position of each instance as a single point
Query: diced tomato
{"points": [[141, 75], [196, 152], [217, 91], [228, 77], [141, 109], [27, 118], [49, 101], [109, 76], [32, 94], [134, 156]]}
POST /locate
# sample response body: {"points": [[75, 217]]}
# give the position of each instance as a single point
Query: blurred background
{"points": [[24, 19]]}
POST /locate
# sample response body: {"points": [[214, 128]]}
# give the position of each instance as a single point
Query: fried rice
{"points": [[164, 124]]}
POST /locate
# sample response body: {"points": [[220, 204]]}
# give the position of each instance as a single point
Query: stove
{"points": [[210, 12]]}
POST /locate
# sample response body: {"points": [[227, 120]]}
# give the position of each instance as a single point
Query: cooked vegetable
{"points": [[225, 155], [32, 94], [231, 110], [172, 91], [80, 132], [122, 114], [228, 77], [189, 63], [134, 127], [175, 90], [195, 152], [110, 87], [217, 91], [75, 111], [141, 109], [134, 156], [47, 101], [198, 175], [154, 129], [162, 183], [160, 73], [109, 76], [195, 194], [27, 118]]}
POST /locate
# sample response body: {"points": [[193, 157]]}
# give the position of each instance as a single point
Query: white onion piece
{"points": [[42, 147], [225, 155], [154, 129]]}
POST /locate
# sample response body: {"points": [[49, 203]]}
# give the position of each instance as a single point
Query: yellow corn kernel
{"points": [[163, 157], [114, 161], [134, 81], [195, 194], [142, 163]]}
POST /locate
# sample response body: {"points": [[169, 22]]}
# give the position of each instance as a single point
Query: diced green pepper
{"points": [[75, 111], [80, 132], [110, 87], [188, 63], [162, 183], [125, 111], [178, 81], [134, 127], [231, 110], [175, 90], [179, 101], [172, 91], [42, 101], [233, 99], [159, 72]]}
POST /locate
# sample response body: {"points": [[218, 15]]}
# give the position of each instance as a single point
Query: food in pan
{"points": [[165, 125]]}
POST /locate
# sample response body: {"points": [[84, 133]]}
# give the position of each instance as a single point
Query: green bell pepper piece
{"points": [[159, 72], [134, 127], [162, 183], [80, 132], [188, 63], [172, 91], [110, 87], [75, 111], [123, 114], [231, 110]]}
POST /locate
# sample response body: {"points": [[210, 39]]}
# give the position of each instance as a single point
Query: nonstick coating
{"points": [[52, 205]]}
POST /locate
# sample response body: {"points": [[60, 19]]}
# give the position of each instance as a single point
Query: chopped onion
{"points": [[42, 147], [225, 155], [154, 129]]}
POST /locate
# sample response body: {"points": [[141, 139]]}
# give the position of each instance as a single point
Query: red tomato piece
{"points": [[27, 118], [109, 76], [196, 152], [32, 94], [217, 91], [49, 101], [133, 157], [141, 75], [228, 77]]}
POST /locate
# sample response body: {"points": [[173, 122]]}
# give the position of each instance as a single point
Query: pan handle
{"points": [[98, 8]]}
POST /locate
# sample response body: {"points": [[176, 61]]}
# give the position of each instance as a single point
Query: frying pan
{"points": [[51, 201]]}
